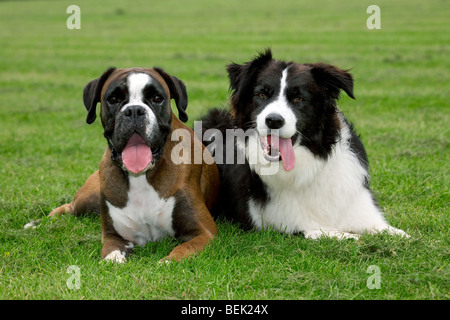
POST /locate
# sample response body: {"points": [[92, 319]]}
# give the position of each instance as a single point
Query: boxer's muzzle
{"points": [[137, 141]]}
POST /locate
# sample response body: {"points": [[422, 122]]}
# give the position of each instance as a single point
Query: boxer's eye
{"points": [[157, 99], [113, 100]]}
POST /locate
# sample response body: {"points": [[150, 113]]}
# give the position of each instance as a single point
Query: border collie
{"points": [[304, 168]]}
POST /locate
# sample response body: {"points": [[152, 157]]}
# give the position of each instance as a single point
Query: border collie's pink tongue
{"points": [[284, 145], [137, 155]]}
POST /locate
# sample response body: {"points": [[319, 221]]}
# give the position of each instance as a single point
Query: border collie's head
{"points": [[289, 104]]}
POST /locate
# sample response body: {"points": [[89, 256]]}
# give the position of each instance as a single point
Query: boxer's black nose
{"points": [[134, 111], [274, 121]]}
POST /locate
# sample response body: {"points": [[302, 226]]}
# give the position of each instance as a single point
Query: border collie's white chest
{"points": [[316, 195], [146, 217]]}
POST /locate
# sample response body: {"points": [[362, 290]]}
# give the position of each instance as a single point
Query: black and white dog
{"points": [[304, 170]]}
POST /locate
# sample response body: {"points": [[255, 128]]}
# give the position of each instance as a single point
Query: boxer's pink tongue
{"points": [[284, 145], [137, 155]]}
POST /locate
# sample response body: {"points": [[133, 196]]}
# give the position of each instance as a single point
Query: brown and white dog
{"points": [[141, 194]]}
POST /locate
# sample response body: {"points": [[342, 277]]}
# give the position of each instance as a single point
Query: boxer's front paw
{"points": [[116, 256], [164, 261], [115, 249], [32, 224]]}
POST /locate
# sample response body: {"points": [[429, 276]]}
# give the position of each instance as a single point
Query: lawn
{"points": [[47, 150]]}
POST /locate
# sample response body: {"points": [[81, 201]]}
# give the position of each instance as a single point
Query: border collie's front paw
{"points": [[340, 235]]}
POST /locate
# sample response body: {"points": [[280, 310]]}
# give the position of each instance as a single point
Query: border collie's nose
{"points": [[274, 121], [134, 111]]}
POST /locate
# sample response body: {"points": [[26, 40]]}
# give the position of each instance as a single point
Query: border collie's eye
{"points": [[262, 95], [157, 99], [298, 99]]}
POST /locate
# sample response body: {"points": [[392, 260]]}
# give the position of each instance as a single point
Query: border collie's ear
{"points": [[92, 94], [177, 92], [333, 78], [243, 76]]}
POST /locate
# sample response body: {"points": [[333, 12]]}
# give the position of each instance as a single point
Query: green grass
{"points": [[47, 150]]}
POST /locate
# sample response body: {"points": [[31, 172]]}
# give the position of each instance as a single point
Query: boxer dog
{"points": [[141, 194]]}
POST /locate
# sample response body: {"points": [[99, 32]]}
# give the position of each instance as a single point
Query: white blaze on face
{"points": [[281, 107], [273, 141], [137, 156], [136, 84]]}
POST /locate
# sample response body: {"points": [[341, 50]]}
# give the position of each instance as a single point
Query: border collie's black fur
{"points": [[321, 186]]}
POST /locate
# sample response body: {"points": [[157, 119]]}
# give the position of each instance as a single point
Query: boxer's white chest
{"points": [[146, 217]]}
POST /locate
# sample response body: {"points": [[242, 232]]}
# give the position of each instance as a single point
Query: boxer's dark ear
{"points": [[177, 92], [92, 94]]}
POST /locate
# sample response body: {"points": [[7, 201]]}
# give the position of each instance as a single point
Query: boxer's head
{"points": [[135, 112]]}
